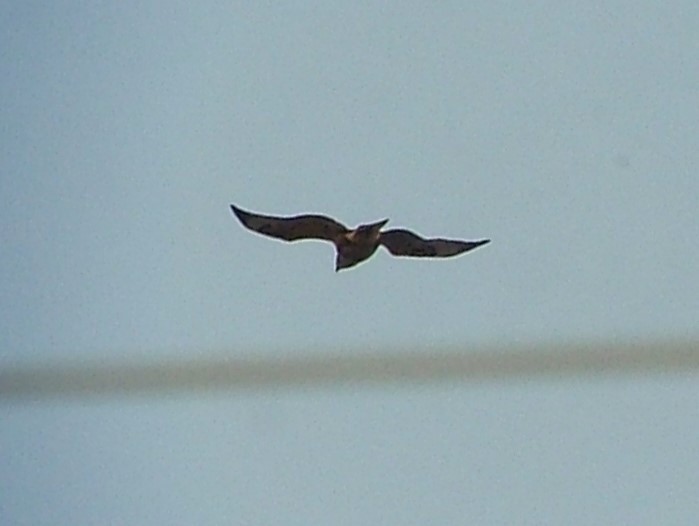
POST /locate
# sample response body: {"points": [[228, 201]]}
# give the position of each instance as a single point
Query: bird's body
{"points": [[352, 245], [357, 245]]}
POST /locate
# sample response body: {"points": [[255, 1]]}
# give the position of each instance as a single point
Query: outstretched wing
{"points": [[291, 228], [405, 243]]}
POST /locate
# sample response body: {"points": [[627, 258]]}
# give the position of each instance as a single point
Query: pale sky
{"points": [[564, 131]]}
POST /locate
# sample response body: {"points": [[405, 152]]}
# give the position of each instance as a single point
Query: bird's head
{"points": [[378, 225], [371, 230]]}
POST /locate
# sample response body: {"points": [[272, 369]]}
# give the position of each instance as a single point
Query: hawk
{"points": [[353, 246]]}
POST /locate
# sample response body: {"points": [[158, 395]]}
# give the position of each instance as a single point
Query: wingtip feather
{"points": [[238, 212]]}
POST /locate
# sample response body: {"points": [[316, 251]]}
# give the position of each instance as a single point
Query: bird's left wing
{"points": [[405, 243], [307, 226]]}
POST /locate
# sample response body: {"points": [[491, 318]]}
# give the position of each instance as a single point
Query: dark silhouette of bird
{"points": [[353, 246]]}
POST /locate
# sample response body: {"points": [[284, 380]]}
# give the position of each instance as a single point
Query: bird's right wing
{"points": [[307, 226], [401, 242]]}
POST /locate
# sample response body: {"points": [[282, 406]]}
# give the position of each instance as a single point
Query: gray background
{"points": [[564, 131]]}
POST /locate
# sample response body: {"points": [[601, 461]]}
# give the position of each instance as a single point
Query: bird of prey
{"points": [[353, 246]]}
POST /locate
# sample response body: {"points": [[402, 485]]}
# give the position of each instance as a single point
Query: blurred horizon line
{"points": [[218, 373]]}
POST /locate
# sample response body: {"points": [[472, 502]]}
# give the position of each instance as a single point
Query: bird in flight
{"points": [[352, 246]]}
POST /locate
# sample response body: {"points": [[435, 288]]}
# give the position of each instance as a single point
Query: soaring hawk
{"points": [[353, 246]]}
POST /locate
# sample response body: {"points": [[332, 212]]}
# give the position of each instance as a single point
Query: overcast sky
{"points": [[564, 131]]}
